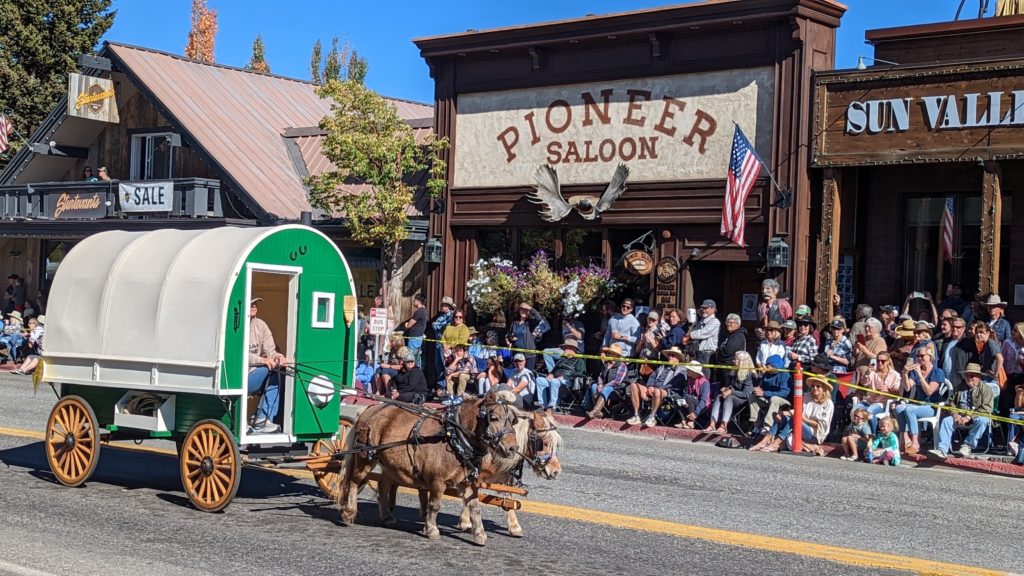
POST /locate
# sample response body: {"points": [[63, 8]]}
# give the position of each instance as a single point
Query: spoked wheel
{"points": [[329, 478], [210, 466], [72, 441]]}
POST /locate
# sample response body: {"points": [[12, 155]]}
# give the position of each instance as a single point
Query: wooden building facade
{"points": [[921, 159], [658, 90]]}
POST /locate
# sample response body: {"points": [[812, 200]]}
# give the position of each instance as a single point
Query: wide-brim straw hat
{"points": [[811, 380], [973, 369], [674, 351], [15, 314], [694, 367], [906, 329], [615, 349], [42, 319], [995, 300], [773, 325]]}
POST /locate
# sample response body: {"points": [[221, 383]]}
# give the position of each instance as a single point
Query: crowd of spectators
{"points": [[717, 377], [21, 336]]}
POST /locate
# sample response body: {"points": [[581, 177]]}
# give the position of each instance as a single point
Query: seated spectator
{"points": [[565, 371], [977, 398], [735, 392], [868, 347], [923, 380], [390, 364], [12, 336], [410, 384], [656, 388], [612, 376], [922, 337], [492, 375], [696, 393], [772, 345], [882, 379], [857, 436], [522, 381], [34, 346], [572, 327], [885, 448], [648, 345], [814, 425], [899, 350], [459, 371], [771, 394], [364, 372]]}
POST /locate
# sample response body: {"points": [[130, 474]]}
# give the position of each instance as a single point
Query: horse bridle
{"points": [[535, 445], [493, 439]]}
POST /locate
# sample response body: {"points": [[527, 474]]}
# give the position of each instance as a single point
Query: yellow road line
{"points": [[848, 556]]}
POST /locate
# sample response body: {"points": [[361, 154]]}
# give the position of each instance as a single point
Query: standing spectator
{"points": [[997, 321], [771, 394], [730, 342], [87, 175], [888, 319], [522, 333], [788, 335], [772, 345], [987, 353], [881, 379], [839, 350], [772, 308], [607, 311], [922, 337], [623, 328], [103, 175], [900, 349], [415, 328], [814, 422], [862, 314], [953, 300], [951, 355], [666, 377], [438, 324], [15, 294], [676, 329], [978, 398], [868, 347], [1013, 354], [455, 333], [805, 347], [928, 313], [735, 392], [695, 392], [924, 381], [648, 346], [612, 376], [564, 373], [702, 341]]}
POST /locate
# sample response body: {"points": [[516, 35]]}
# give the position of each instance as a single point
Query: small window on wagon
{"points": [[323, 310]]}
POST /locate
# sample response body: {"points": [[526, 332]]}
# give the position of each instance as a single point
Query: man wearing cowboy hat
{"points": [[805, 346], [976, 398], [439, 326], [666, 376], [613, 375], [997, 320], [564, 373]]}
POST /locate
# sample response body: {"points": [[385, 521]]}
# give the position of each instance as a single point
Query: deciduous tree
{"points": [[203, 33], [258, 60], [370, 143], [40, 41]]}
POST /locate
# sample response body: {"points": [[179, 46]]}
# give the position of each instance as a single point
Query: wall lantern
{"points": [[15, 253], [778, 253], [432, 251]]}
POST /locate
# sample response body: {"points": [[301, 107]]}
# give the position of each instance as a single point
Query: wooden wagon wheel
{"points": [[329, 479], [210, 466], [72, 441]]}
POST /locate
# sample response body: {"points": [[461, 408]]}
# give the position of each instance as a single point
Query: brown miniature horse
{"points": [[421, 458], [539, 444]]}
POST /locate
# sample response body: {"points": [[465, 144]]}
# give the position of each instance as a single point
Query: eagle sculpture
{"points": [[548, 194]]}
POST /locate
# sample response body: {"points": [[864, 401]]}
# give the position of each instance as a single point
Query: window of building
{"points": [[153, 155], [491, 243], [583, 248], [533, 240]]}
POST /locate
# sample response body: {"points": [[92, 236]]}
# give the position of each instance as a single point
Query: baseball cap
{"points": [[803, 310], [409, 358], [709, 303], [789, 325], [519, 357]]}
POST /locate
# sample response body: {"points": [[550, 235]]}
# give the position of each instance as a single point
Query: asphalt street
{"points": [[623, 505]]}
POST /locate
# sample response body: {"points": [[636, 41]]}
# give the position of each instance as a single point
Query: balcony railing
{"points": [[121, 199]]}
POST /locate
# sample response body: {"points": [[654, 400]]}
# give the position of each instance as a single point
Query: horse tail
{"points": [[348, 464]]}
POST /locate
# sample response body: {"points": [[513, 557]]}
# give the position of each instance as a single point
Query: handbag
{"points": [[646, 370], [1018, 398]]}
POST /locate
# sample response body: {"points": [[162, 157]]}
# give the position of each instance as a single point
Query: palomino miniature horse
{"points": [[539, 443], [421, 457]]}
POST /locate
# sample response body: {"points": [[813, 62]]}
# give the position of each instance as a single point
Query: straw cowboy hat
{"points": [[674, 351], [41, 319], [447, 301], [922, 326], [906, 329], [571, 343], [973, 369], [15, 314], [819, 380], [694, 367], [614, 350], [995, 300], [773, 325]]}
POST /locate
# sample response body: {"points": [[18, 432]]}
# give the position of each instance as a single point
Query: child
{"points": [[857, 435], [886, 448]]}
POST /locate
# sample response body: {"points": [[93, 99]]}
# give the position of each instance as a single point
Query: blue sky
{"points": [[382, 31]]}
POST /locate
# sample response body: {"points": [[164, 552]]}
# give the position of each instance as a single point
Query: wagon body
{"points": [[164, 316]]}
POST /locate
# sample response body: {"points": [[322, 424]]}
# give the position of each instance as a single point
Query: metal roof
{"points": [[238, 118]]}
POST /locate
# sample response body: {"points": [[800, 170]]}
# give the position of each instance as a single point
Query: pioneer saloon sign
{"points": [[933, 114], [666, 128]]}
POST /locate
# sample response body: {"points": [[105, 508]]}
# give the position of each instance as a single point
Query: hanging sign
{"points": [[75, 205], [667, 283], [638, 262], [146, 196], [92, 98]]}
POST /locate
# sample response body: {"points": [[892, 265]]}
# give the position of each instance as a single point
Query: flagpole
{"points": [[942, 251]]}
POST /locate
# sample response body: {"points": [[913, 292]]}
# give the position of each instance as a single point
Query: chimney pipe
{"points": [[306, 218]]}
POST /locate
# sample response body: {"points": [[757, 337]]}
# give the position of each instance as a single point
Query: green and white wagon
{"points": [[147, 337]]}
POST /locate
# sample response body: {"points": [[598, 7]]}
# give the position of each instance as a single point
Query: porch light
{"points": [[432, 251], [778, 253]]}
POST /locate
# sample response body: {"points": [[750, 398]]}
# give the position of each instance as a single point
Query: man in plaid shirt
{"points": [[804, 347]]}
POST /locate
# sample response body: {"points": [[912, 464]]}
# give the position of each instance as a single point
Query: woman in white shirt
{"points": [[772, 345]]}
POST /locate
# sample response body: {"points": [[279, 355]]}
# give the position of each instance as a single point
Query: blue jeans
{"points": [[907, 415], [874, 410], [588, 398], [269, 404], [1014, 429], [784, 428], [978, 426], [415, 345], [547, 391], [13, 342], [551, 355]]}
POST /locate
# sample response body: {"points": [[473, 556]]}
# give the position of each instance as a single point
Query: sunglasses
{"points": [[460, 316], [883, 360]]}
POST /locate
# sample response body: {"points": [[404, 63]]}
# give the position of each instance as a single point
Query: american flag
{"points": [[744, 168], [947, 229], [5, 131]]}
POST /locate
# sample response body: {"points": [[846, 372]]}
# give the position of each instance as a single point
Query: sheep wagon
{"points": [[147, 337]]}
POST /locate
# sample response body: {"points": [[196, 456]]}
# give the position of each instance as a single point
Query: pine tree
{"points": [[203, 33], [40, 41], [357, 68], [314, 63], [332, 67], [258, 62]]}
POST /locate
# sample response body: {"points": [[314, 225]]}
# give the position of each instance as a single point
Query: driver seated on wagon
{"points": [[263, 359]]}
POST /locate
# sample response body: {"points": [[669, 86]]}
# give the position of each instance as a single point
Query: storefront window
{"points": [[582, 248], [491, 243], [924, 254], [533, 240]]}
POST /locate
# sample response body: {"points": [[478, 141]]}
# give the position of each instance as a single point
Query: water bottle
{"points": [[691, 315]]}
